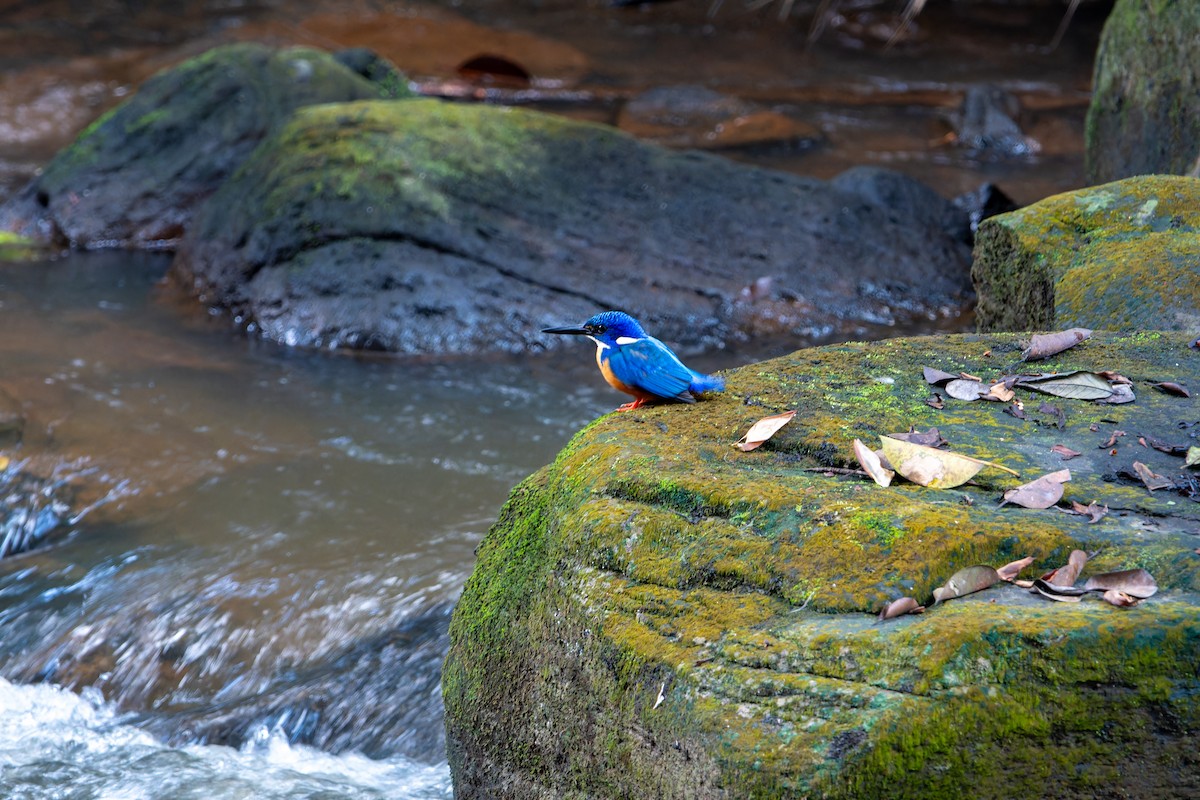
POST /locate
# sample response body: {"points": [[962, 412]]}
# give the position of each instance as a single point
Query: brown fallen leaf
{"points": [[1122, 393], [1044, 345], [903, 605], [1094, 511], [935, 401], [1150, 478], [1063, 594], [1166, 447], [763, 430], [1112, 440], [930, 438], [870, 462], [1170, 387], [928, 466], [1065, 452], [935, 377], [999, 392], [1042, 492], [1119, 598], [1012, 569], [1016, 408], [963, 389], [966, 581], [1114, 377], [1067, 574], [1023, 583], [966, 376], [1060, 417], [1136, 582]]}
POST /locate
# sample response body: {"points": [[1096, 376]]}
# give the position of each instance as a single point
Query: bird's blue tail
{"points": [[706, 383]]}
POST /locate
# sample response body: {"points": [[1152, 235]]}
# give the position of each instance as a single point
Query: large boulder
{"points": [[657, 614], [1145, 112], [429, 227], [134, 177], [1122, 256]]}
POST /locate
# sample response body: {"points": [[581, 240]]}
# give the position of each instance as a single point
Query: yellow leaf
{"points": [[928, 466], [870, 462]]}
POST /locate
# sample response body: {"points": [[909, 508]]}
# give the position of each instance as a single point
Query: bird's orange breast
{"points": [[612, 379]]}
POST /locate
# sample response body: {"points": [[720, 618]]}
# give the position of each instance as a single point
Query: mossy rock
{"points": [[1122, 256], [135, 175], [1144, 116], [658, 614], [21, 248], [424, 226]]}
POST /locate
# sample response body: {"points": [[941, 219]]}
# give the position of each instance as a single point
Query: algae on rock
{"points": [[1122, 256], [657, 614]]}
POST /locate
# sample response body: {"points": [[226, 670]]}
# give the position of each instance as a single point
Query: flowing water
{"points": [[247, 555]]}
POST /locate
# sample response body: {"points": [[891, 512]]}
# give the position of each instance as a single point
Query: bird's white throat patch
{"points": [[599, 344]]}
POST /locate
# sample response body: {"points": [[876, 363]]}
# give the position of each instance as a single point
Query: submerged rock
{"points": [[134, 177], [1144, 116], [429, 227], [657, 614], [1122, 256]]}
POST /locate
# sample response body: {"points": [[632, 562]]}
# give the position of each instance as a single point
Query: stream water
{"points": [[253, 551]]}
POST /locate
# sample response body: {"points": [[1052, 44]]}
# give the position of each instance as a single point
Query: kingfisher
{"points": [[634, 362]]}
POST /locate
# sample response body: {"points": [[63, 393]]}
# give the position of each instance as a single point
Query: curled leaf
{"points": [[1064, 594], [1044, 345], [999, 392], [927, 466], [1040, 493], [1093, 510], [763, 430], [1170, 387], [935, 377], [967, 581], [1065, 452], [1150, 478], [1136, 582], [1012, 569], [903, 605], [871, 464], [1119, 598], [1067, 574], [935, 401], [1122, 393]]}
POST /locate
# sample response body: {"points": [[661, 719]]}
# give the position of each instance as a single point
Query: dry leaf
{"points": [[1012, 569], [930, 438], [1079, 385], [1136, 582], [1166, 447], [966, 376], [1060, 418], [1172, 388], [935, 401], [1114, 377], [1119, 598], [1093, 511], [1044, 345], [763, 430], [927, 466], [962, 389], [1152, 479], [1016, 408], [967, 581], [1122, 393], [1193, 456], [998, 391], [935, 377], [1112, 440], [1064, 594], [1065, 452], [1067, 574], [903, 605], [1040, 493], [870, 462]]}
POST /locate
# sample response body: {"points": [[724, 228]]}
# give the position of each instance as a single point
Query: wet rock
{"points": [[656, 614], [33, 509], [986, 201], [430, 227], [694, 116], [134, 177], [1122, 256], [1144, 117]]}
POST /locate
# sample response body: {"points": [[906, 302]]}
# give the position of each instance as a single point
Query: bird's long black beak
{"points": [[572, 329]]}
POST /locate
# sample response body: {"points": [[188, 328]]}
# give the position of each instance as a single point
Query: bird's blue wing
{"points": [[648, 365]]}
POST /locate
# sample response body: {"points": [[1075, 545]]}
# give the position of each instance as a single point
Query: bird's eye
{"points": [[599, 328]]}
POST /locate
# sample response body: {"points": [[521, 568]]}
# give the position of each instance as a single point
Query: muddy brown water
{"points": [[244, 515]]}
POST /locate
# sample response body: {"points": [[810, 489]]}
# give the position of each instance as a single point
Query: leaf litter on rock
{"points": [[1044, 345], [928, 466], [1078, 385], [1065, 452], [762, 430], [1040, 493], [870, 462], [967, 581], [1170, 387], [901, 606]]}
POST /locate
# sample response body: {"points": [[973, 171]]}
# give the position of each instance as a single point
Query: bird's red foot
{"points": [[641, 401]]}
